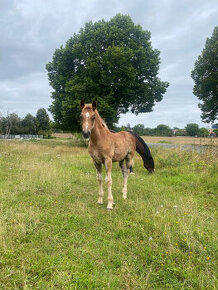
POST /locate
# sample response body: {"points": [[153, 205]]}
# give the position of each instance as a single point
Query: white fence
{"points": [[21, 137]]}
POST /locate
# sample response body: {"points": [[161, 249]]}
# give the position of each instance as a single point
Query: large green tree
{"points": [[112, 62], [205, 76]]}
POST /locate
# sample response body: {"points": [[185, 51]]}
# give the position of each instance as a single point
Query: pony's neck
{"points": [[101, 122], [99, 128]]}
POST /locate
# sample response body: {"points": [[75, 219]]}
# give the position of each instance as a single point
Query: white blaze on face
{"points": [[87, 115]]}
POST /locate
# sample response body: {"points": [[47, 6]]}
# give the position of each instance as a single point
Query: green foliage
{"points": [[13, 124], [160, 130], [205, 76], [203, 132], [112, 62], [215, 131], [149, 132], [116, 128], [10, 124], [4, 125], [43, 123], [29, 125], [163, 130], [192, 129], [181, 132], [139, 129]]}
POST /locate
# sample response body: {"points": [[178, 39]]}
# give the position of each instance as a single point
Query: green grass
{"points": [[53, 235]]}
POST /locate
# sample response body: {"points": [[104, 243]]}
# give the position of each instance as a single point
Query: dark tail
{"points": [[144, 152]]}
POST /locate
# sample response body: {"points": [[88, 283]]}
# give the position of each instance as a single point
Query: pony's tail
{"points": [[144, 152]]}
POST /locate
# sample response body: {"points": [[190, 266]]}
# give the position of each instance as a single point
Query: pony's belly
{"points": [[119, 156]]}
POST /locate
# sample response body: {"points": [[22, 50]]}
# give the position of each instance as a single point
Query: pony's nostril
{"points": [[85, 134]]}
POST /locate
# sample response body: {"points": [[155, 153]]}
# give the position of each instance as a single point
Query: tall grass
{"points": [[53, 235]]}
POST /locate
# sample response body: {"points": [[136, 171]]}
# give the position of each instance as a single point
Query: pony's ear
{"points": [[94, 105], [82, 104]]}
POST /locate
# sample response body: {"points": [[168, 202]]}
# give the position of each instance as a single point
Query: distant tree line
{"points": [[40, 124], [191, 129]]}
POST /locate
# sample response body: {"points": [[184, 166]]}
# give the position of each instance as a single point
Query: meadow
{"points": [[53, 235], [179, 140], [182, 140]]}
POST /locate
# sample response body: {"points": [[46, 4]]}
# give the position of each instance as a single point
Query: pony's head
{"points": [[87, 118]]}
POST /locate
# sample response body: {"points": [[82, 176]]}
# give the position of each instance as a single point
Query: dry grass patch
{"points": [[182, 140]]}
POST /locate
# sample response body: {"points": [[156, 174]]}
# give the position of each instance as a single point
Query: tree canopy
{"points": [[139, 129], [192, 129], [10, 124], [29, 124], [163, 130], [112, 62], [42, 119], [205, 76]]}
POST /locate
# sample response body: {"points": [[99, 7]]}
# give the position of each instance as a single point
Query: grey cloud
{"points": [[26, 95]]}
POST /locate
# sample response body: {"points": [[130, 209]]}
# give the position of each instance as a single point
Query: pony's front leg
{"points": [[108, 166], [125, 178], [100, 182]]}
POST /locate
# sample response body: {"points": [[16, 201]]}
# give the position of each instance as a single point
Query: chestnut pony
{"points": [[106, 147]]}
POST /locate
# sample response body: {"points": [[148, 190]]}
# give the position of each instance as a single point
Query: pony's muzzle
{"points": [[86, 135]]}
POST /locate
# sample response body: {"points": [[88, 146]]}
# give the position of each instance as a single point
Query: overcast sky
{"points": [[30, 31]]}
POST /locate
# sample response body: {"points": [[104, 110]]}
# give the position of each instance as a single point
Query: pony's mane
{"points": [[102, 121]]}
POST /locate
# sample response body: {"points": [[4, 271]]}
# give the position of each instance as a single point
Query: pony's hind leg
{"points": [[131, 167], [125, 178], [108, 166], [100, 182]]}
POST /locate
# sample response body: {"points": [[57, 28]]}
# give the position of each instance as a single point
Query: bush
{"points": [[216, 132], [192, 129], [139, 129], [181, 132], [203, 132], [163, 130]]}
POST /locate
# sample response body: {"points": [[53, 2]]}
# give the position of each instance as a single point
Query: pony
{"points": [[106, 147]]}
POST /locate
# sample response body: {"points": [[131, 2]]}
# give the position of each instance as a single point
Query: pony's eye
{"points": [[93, 117]]}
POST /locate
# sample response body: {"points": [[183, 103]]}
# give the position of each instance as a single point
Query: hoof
{"points": [[124, 197], [108, 208], [100, 203]]}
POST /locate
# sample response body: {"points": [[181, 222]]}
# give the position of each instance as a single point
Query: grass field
{"points": [[171, 140], [53, 235], [182, 140]]}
